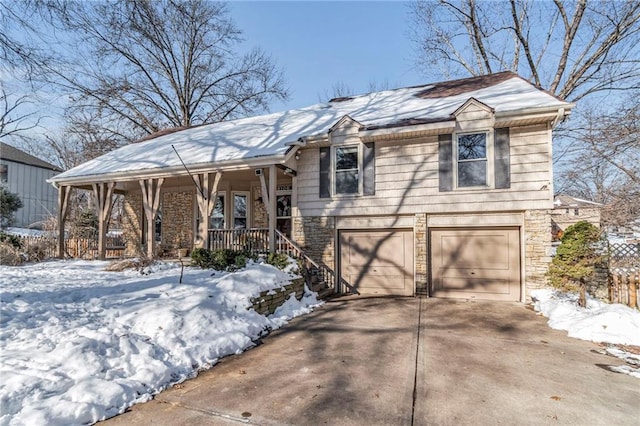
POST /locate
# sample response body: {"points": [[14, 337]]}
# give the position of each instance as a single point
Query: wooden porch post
{"points": [[272, 211], [63, 210], [103, 192], [206, 201], [150, 202]]}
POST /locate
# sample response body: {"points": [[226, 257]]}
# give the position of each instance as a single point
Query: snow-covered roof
{"points": [[269, 135]]}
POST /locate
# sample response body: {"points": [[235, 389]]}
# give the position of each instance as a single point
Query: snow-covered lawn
{"points": [[79, 344], [614, 324]]}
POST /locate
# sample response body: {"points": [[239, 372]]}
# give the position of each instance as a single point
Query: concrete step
{"points": [[325, 293]]}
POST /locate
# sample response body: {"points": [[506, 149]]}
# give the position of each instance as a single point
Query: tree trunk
{"points": [[582, 299]]}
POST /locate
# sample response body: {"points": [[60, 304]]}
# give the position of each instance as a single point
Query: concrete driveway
{"points": [[402, 361]]}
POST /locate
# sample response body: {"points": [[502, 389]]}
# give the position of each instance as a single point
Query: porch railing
{"points": [[315, 273], [253, 240]]}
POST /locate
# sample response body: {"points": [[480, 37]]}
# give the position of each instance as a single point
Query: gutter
{"points": [[393, 133]]}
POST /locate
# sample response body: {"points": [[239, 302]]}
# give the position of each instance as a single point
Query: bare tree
{"points": [[572, 49], [17, 53], [606, 159], [342, 90], [16, 114], [142, 65]]}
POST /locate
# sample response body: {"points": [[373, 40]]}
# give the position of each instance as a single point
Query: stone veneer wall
{"points": [[315, 235], [132, 223], [421, 255], [266, 303], [538, 249], [259, 212], [177, 221]]}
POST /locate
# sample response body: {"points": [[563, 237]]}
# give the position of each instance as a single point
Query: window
{"points": [[158, 226], [240, 213], [4, 173], [347, 170], [472, 159], [576, 212], [283, 214], [216, 220]]}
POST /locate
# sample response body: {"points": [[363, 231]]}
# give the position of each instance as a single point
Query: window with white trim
{"points": [[216, 220], [471, 158], [347, 170], [240, 210]]}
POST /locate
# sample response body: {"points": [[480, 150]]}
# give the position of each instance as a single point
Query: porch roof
{"points": [[267, 137]]}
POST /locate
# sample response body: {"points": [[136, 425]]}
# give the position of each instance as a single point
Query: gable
{"points": [[345, 127], [474, 114]]}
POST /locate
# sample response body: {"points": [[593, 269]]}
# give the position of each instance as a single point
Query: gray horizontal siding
{"points": [[407, 181]]}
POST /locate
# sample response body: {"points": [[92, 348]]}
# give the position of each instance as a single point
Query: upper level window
{"points": [[472, 159], [347, 170]]}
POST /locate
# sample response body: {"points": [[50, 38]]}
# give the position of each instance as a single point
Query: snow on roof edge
{"points": [[274, 133]]}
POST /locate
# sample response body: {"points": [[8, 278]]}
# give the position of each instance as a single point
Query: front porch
{"points": [[218, 209], [243, 208]]}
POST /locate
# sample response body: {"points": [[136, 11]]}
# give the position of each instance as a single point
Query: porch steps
{"points": [[318, 276], [323, 291]]}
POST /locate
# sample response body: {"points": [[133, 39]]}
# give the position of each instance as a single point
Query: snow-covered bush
{"points": [[9, 255], [220, 260], [279, 260]]}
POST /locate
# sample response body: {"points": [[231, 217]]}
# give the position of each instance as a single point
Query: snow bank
{"points": [[80, 344], [598, 322]]}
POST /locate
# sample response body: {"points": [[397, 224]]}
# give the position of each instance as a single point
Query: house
{"points": [[568, 210], [26, 175], [442, 190]]}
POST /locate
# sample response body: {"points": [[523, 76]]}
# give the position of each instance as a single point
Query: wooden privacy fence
{"points": [[624, 274], [624, 286], [77, 248]]}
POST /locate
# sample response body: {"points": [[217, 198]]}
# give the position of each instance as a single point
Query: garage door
{"points": [[377, 262], [476, 263]]}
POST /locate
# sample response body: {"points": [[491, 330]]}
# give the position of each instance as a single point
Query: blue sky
{"points": [[321, 44]]}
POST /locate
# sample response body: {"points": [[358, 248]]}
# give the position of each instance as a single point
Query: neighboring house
{"points": [[442, 190], [569, 210], [26, 175], [624, 234]]}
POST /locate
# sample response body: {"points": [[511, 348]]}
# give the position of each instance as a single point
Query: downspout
{"points": [[560, 116]]}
